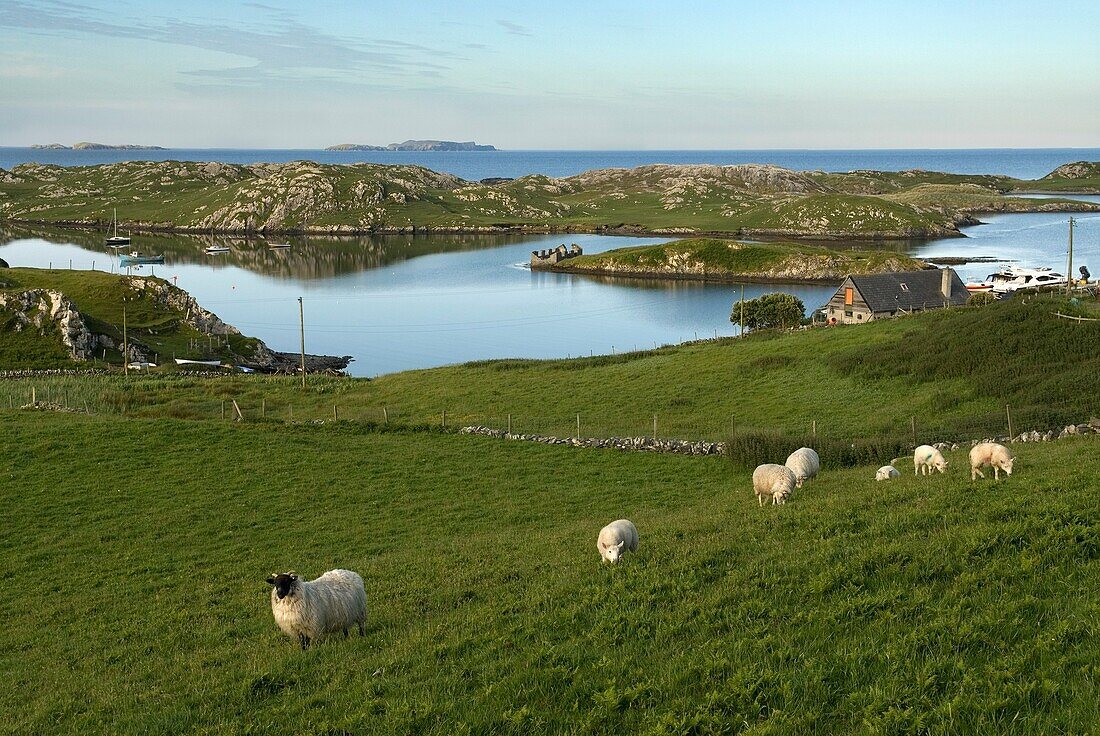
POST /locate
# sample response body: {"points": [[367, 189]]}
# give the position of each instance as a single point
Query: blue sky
{"points": [[561, 74]]}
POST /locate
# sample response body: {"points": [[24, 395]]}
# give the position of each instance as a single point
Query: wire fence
{"points": [[257, 400]]}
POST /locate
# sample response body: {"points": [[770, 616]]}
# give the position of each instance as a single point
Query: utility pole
{"points": [[1069, 266], [125, 344], [742, 334], [302, 327]]}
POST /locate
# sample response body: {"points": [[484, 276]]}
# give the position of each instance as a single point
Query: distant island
{"points": [[85, 146], [414, 146]]}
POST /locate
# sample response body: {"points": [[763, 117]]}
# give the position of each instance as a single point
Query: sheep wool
{"points": [[617, 538], [776, 482], [886, 472], [306, 610], [992, 455], [926, 459], [804, 463]]}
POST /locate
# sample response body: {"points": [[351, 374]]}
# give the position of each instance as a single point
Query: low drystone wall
{"points": [[635, 444]]}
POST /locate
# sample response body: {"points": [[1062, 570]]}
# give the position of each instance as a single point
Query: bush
{"points": [[769, 311], [749, 449], [981, 299]]}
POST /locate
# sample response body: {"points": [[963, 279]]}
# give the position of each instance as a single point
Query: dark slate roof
{"points": [[908, 290]]}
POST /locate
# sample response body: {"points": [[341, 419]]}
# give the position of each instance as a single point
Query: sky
{"points": [[560, 74]]}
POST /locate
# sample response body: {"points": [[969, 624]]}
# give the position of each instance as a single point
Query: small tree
{"points": [[981, 298], [769, 311]]}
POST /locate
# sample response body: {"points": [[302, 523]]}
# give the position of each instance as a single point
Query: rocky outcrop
{"points": [[48, 311], [1076, 170], [171, 297]]}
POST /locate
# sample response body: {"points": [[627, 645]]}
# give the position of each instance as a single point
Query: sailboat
{"points": [[117, 240]]}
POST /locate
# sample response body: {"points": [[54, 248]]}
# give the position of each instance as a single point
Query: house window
{"points": [[859, 316], [848, 297], [847, 312], [905, 287]]}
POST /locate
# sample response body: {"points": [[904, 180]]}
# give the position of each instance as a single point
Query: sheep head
{"points": [[284, 583], [614, 552]]}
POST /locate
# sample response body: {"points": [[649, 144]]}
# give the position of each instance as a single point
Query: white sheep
{"points": [[774, 481], [993, 455], [617, 538], [804, 463], [309, 609], [926, 459], [886, 472]]}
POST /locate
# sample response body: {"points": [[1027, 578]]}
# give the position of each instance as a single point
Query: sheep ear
{"points": [[271, 580]]}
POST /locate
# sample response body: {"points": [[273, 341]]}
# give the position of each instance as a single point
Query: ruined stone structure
{"points": [[554, 256]]}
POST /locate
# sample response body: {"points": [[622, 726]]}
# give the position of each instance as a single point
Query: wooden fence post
{"points": [[654, 427], [34, 398], [813, 428], [913, 425], [1008, 414], [263, 408], [223, 409], [509, 424], [385, 415], [335, 414], [240, 415], [444, 419]]}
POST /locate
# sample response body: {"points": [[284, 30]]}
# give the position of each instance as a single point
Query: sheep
{"points": [[617, 538], [926, 459], [996, 456], [886, 472], [804, 463], [774, 481], [310, 609]]}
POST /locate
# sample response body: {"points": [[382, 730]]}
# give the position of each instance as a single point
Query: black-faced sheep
{"points": [[309, 609]]}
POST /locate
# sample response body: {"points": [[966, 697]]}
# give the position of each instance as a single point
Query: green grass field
{"points": [[952, 373], [135, 552]]}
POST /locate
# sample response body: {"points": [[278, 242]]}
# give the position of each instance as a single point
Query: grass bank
{"points": [[135, 553]]}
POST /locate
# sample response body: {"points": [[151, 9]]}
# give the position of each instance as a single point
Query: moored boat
{"points": [[1013, 278], [215, 249], [136, 258], [115, 240]]}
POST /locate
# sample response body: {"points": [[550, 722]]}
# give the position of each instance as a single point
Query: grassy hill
{"points": [[747, 199], [135, 551], [951, 373], [731, 260], [158, 320]]}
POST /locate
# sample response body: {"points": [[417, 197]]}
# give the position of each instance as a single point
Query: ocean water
{"points": [[1023, 163]]}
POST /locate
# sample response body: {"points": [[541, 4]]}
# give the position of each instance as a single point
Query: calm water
{"points": [[415, 302], [1023, 163], [396, 304]]}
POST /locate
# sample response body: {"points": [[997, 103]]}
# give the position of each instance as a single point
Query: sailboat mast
{"points": [[1069, 266]]}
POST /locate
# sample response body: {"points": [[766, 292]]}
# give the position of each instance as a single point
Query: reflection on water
{"points": [[397, 303], [309, 257]]}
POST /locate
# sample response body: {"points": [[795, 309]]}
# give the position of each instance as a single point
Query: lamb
{"points": [[310, 609], [886, 472], [995, 456], [774, 481], [926, 459], [804, 463], [617, 538]]}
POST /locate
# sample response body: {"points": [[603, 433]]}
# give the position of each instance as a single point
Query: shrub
{"points": [[981, 299], [748, 449], [769, 311]]}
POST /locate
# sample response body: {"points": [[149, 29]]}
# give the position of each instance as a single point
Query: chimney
{"points": [[945, 282]]}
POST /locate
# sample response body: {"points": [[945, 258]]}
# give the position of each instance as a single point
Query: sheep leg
{"points": [[304, 641], [761, 500], [345, 632], [996, 473], [362, 629]]}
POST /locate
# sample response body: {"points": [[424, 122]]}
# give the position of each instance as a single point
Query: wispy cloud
{"points": [[281, 47], [514, 28]]}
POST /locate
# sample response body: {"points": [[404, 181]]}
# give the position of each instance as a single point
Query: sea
{"points": [[1022, 163]]}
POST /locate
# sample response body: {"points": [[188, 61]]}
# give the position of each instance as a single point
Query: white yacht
{"points": [[1011, 278]]}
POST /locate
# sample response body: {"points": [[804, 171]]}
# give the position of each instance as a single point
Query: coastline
{"points": [[706, 278]]}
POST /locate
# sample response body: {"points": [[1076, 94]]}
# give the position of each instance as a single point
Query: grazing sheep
{"points": [[995, 456], [804, 463], [774, 481], [926, 459], [309, 609], [886, 472], [617, 538]]}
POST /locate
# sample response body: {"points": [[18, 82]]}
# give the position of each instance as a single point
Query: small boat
{"points": [[136, 258], [215, 249], [184, 361], [117, 240], [278, 246]]}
